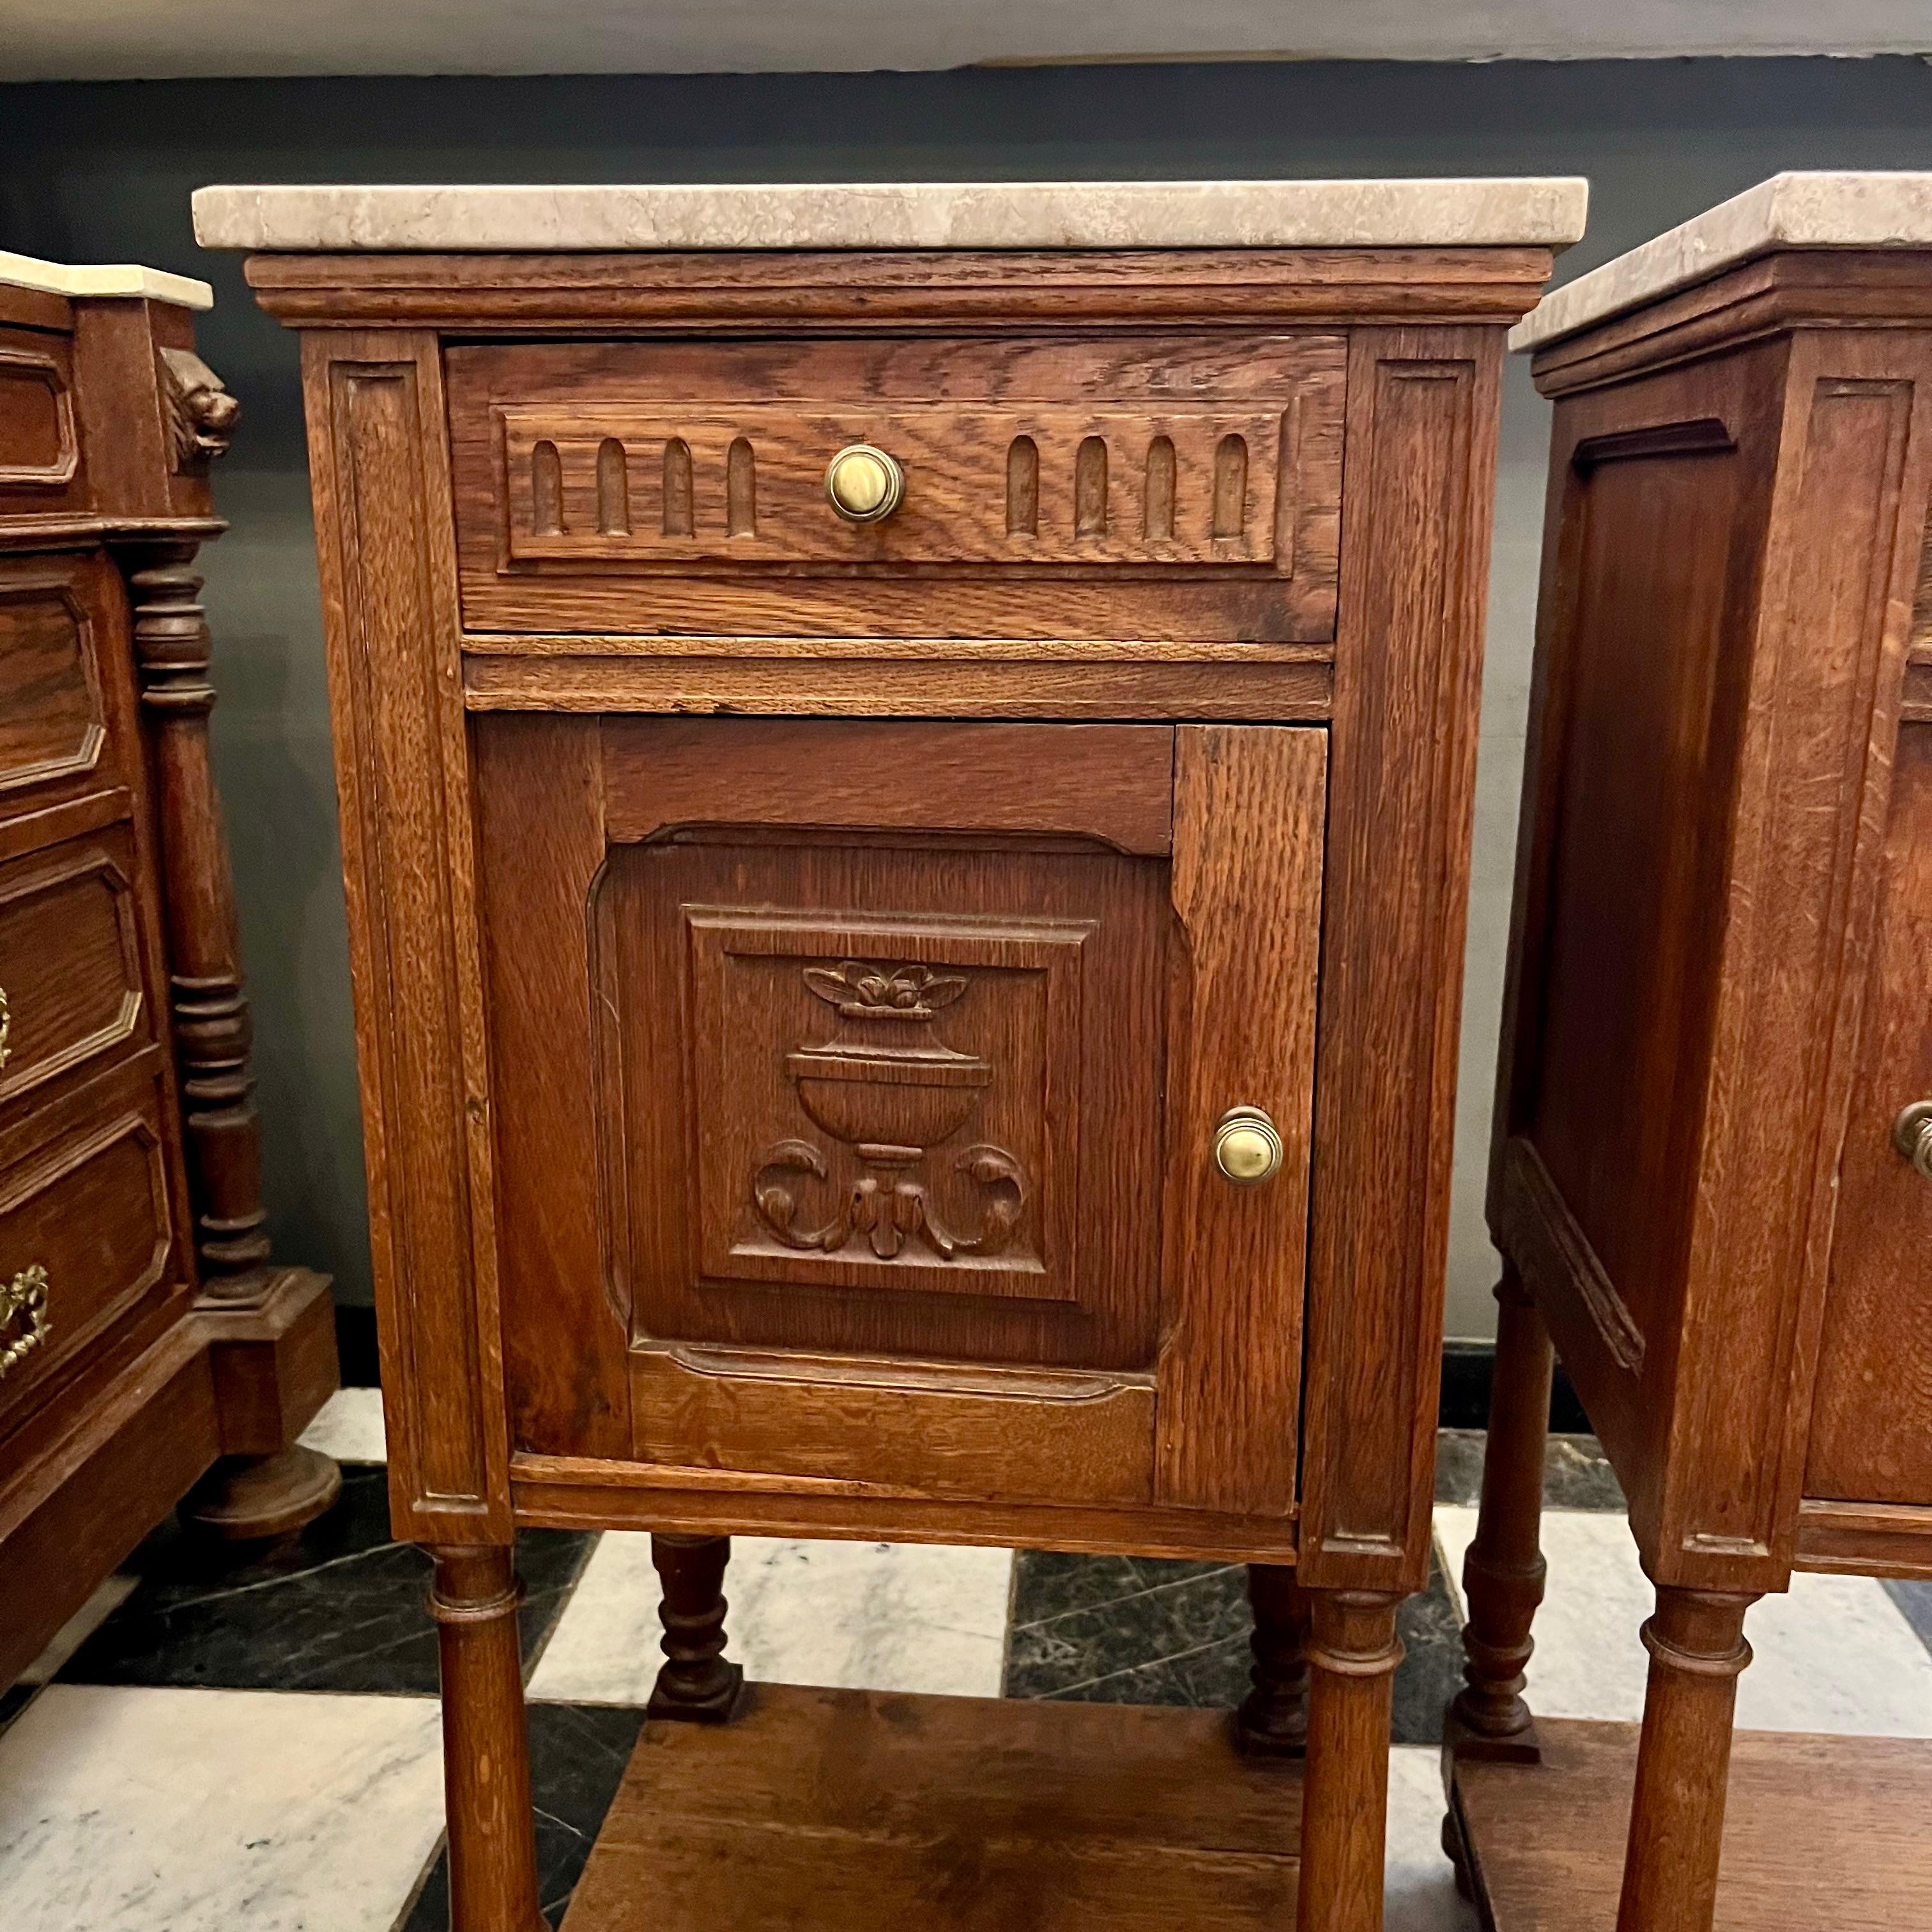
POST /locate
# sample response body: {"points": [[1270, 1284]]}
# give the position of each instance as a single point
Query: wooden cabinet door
{"points": [[856, 1090], [1871, 1426]]}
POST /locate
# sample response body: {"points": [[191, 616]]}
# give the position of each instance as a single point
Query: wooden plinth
{"points": [[1819, 1832], [854, 1809]]}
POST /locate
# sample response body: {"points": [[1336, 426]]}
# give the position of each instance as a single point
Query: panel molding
{"points": [[377, 438], [1420, 461], [944, 1429]]}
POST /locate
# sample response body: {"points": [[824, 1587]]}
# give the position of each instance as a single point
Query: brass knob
{"points": [[1912, 1135], [24, 1299], [863, 483], [1247, 1146]]}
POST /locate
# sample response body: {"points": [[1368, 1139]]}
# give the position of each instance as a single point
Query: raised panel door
{"points": [[856, 1087]]}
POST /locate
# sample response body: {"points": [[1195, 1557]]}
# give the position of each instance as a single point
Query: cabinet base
{"points": [[246, 1499], [1819, 1831], [862, 1810]]}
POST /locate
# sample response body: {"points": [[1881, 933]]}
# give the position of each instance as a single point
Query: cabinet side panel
{"points": [[384, 535], [1815, 772], [1635, 815], [1420, 458]]}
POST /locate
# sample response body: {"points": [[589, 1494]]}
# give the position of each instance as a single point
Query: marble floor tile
{"points": [[338, 1608], [1915, 1602], [1420, 1883], [884, 1616], [350, 1427], [1110, 1629], [135, 1811], [1835, 1655], [577, 1756], [1576, 1474]]}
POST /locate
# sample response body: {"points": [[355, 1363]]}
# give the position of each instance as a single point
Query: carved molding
{"points": [[200, 414], [887, 1210]]}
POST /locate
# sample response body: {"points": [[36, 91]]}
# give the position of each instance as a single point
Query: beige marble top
{"points": [[1823, 210], [902, 214], [28, 271]]}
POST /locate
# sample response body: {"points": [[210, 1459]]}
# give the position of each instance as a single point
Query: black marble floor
{"points": [[339, 1607], [578, 1756], [1138, 1630]]}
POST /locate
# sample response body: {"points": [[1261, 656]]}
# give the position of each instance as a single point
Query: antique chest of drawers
{"points": [[905, 759], [145, 1335], [1712, 1181]]}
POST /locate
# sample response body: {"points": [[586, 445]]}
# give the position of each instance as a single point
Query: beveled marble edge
{"points": [[1799, 210], [102, 278], [1543, 212]]}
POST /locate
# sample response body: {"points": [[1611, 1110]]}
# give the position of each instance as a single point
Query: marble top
{"points": [[119, 278], [1820, 210], [1539, 211]]}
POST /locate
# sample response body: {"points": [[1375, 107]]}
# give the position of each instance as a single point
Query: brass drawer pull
{"points": [[1247, 1146], [6, 1024], [1912, 1135], [24, 1299], [863, 483]]}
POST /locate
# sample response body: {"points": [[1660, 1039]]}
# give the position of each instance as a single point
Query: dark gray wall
{"points": [[103, 173]]}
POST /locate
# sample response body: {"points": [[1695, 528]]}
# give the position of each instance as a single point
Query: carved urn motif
{"points": [[886, 1085]]}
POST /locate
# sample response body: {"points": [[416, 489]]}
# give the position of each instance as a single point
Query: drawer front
{"points": [[1173, 473], [1871, 1417], [86, 1237], [73, 993], [856, 1087], [60, 701], [40, 438]]}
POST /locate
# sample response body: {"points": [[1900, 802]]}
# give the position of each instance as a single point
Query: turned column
{"points": [[1503, 1570], [212, 1031], [1697, 1649], [1352, 1651], [1272, 1720], [244, 1495], [696, 1684], [486, 1764]]}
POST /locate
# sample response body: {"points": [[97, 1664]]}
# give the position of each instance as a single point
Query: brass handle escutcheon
{"points": [[864, 485], [1912, 1135], [24, 1299], [1247, 1146]]}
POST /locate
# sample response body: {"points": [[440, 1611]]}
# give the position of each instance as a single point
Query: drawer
{"points": [[856, 1090], [64, 703], [1188, 482], [73, 995], [86, 1234], [39, 438]]}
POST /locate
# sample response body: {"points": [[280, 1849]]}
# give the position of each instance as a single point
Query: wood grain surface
{"points": [[867, 1809]]}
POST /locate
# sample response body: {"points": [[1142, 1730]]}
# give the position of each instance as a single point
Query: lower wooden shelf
{"points": [[1819, 1832], [857, 1809]]}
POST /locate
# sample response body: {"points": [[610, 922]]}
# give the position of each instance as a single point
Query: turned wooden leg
{"points": [[1503, 1571], [486, 1762], [696, 1685], [1697, 1649], [1273, 1720], [1352, 1652]]}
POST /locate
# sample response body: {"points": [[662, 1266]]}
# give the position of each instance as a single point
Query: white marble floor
{"points": [[131, 1807]]}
